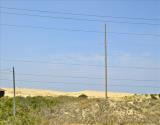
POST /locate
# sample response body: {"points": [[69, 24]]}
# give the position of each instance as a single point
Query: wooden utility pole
{"points": [[14, 94], [106, 72]]}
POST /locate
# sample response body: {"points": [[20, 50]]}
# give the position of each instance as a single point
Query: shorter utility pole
{"points": [[106, 66], [14, 94]]}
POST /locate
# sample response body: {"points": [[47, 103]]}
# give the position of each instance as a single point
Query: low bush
{"points": [[83, 96], [154, 96]]}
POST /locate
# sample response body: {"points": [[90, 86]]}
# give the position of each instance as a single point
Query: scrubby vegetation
{"points": [[154, 96], [28, 110], [134, 110], [83, 96]]}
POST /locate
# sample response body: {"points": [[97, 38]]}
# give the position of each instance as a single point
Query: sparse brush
{"points": [[65, 110], [154, 96], [83, 96]]}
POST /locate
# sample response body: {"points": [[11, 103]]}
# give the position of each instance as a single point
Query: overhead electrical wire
{"points": [[57, 76], [89, 0], [78, 19], [78, 64], [80, 14], [75, 83], [57, 82], [83, 77], [51, 28], [143, 86], [137, 80], [77, 30], [6, 70]]}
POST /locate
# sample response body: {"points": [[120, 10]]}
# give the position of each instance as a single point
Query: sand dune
{"points": [[37, 92]]}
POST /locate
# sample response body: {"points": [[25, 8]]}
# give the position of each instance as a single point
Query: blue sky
{"points": [[81, 47]]}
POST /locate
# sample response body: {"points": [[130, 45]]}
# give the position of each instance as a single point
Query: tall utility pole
{"points": [[106, 72], [14, 94]]}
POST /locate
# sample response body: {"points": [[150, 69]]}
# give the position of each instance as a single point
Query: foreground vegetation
{"points": [[134, 110]]}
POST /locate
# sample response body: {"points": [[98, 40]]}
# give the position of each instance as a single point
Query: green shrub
{"points": [[83, 96], [153, 96]]}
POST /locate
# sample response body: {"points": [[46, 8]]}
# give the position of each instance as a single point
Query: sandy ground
{"points": [[37, 92]]}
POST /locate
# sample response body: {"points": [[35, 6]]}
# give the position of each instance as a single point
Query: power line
{"points": [[80, 14], [5, 70], [88, 0], [78, 19], [136, 67], [137, 34], [59, 76], [71, 76], [77, 77], [95, 0], [46, 62], [76, 30], [79, 64], [75, 83], [139, 56], [57, 82], [52, 28], [143, 86], [137, 80]]}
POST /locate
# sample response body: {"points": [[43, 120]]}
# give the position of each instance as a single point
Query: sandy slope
{"points": [[37, 92]]}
